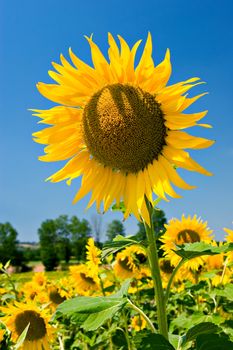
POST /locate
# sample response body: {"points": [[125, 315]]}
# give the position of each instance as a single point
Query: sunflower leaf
{"points": [[91, 312], [227, 292], [192, 250], [150, 341], [21, 338], [213, 342], [120, 207], [118, 243], [201, 328]]}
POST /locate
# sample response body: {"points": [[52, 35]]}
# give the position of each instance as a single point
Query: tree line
{"points": [[64, 238]]}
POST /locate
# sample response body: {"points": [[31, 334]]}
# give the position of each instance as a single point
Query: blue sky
{"points": [[34, 33]]}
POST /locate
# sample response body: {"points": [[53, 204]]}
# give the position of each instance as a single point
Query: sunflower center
{"points": [[37, 328], [89, 280], [55, 297], [123, 127], [188, 236], [166, 266], [125, 264]]}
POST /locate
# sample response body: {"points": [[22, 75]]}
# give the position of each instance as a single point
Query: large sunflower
{"points": [[39, 333], [119, 126], [188, 230]]}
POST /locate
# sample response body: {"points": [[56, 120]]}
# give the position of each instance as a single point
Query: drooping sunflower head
{"points": [[186, 230], [85, 280], [40, 332], [54, 295], [120, 126], [129, 262]]}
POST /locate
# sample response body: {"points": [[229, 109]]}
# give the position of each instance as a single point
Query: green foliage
{"points": [[201, 328], [63, 244], [149, 341], [48, 236], [193, 250], [91, 312], [118, 243], [80, 231], [213, 342], [8, 245], [115, 228]]}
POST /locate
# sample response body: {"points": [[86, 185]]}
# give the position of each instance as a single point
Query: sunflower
{"points": [[188, 230], [85, 281], [120, 127], [229, 239], [93, 255], [55, 297], [2, 332], [39, 333], [129, 261], [39, 278], [138, 323], [31, 290]]}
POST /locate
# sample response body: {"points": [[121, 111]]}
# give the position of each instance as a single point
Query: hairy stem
{"points": [[174, 272], [134, 307], [155, 272]]}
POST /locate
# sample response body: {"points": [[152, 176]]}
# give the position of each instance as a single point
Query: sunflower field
{"points": [[108, 301], [120, 127]]}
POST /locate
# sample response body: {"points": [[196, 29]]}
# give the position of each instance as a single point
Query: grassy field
{"points": [[27, 276]]}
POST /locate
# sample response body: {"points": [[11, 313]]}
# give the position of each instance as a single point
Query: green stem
{"points": [[155, 273], [109, 322], [148, 321], [174, 272], [126, 331]]}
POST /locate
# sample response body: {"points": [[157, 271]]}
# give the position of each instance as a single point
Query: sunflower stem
{"points": [[148, 321], [174, 272], [155, 273]]}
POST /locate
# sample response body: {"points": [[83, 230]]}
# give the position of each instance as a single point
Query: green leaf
{"points": [[156, 202], [21, 338], [152, 342], [227, 292], [201, 328], [119, 242], [174, 339], [213, 342], [120, 207], [192, 250], [124, 289], [91, 312]]}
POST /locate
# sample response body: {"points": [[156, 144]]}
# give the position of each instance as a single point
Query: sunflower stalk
{"points": [[181, 262], [155, 272], [137, 309]]}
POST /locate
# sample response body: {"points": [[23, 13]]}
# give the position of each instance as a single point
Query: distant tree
{"points": [[96, 223], [80, 232], [8, 245], [48, 240], [31, 254], [115, 228], [63, 243]]}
